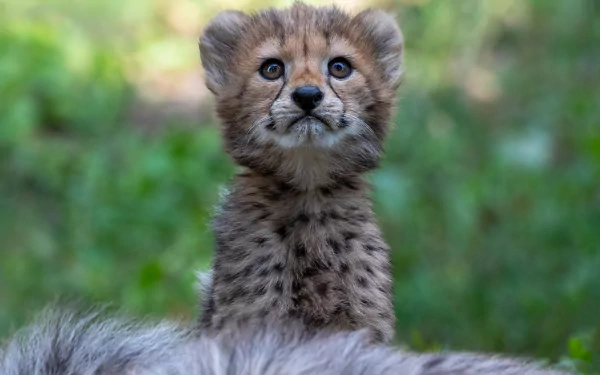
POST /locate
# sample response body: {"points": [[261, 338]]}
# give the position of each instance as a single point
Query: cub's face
{"points": [[303, 93]]}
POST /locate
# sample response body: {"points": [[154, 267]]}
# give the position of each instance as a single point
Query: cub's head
{"points": [[304, 94]]}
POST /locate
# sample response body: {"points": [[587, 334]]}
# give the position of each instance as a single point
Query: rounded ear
{"points": [[218, 43], [381, 29]]}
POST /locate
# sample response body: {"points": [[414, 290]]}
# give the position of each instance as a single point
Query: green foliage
{"points": [[584, 353], [44, 92], [489, 192]]}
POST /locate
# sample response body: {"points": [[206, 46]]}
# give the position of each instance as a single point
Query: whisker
{"points": [[361, 123], [257, 122], [254, 127]]}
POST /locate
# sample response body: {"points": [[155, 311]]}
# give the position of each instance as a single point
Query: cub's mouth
{"points": [[307, 129], [310, 122]]}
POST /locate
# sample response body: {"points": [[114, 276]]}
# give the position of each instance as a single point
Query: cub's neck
{"points": [[315, 254]]}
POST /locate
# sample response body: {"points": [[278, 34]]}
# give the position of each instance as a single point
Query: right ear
{"points": [[217, 46], [381, 29]]}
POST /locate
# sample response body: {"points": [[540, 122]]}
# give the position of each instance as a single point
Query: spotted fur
{"points": [[296, 236]]}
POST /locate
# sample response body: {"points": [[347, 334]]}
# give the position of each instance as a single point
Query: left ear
{"points": [[383, 33], [218, 45]]}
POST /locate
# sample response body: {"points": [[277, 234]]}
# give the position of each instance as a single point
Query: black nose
{"points": [[307, 97]]}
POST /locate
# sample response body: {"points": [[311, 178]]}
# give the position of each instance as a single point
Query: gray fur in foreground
{"points": [[63, 343]]}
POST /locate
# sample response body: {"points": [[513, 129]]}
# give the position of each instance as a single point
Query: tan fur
{"points": [[296, 236]]}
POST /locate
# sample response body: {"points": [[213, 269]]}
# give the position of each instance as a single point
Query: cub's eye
{"points": [[340, 68], [271, 69]]}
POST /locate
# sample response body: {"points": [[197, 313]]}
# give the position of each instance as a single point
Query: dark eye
{"points": [[271, 69], [340, 68]]}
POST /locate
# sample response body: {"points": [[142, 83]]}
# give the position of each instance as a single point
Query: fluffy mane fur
{"points": [[67, 343]]}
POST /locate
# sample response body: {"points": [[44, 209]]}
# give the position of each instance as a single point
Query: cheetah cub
{"points": [[304, 96]]}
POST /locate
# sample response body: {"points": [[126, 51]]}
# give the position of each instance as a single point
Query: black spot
{"points": [[325, 216], [260, 240], [316, 321], [349, 235], [264, 272], [294, 313], [370, 108], [366, 302], [370, 248], [297, 286], [263, 216], [362, 281], [274, 195], [278, 287], [322, 265], [295, 301], [348, 246], [350, 184], [302, 218], [237, 292], [361, 217], [227, 299], [322, 289], [207, 312], [339, 310], [300, 250], [326, 191], [334, 245], [434, 362], [378, 335], [262, 259], [278, 267], [247, 271], [219, 326], [344, 268], [260, 291], [279, 192], [305, 48], [334, 176], [369, 270], [227, 278], [234, 256], [310, 272], [258, 206], [284, 187], [351, 319], [282, 232], [344, 122]]}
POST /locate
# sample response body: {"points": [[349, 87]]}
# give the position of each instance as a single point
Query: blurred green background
{"points": [[111, 165]]}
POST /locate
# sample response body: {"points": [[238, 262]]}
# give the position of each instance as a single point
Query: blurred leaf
{"points": [[577, 350], [150, 274]]}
